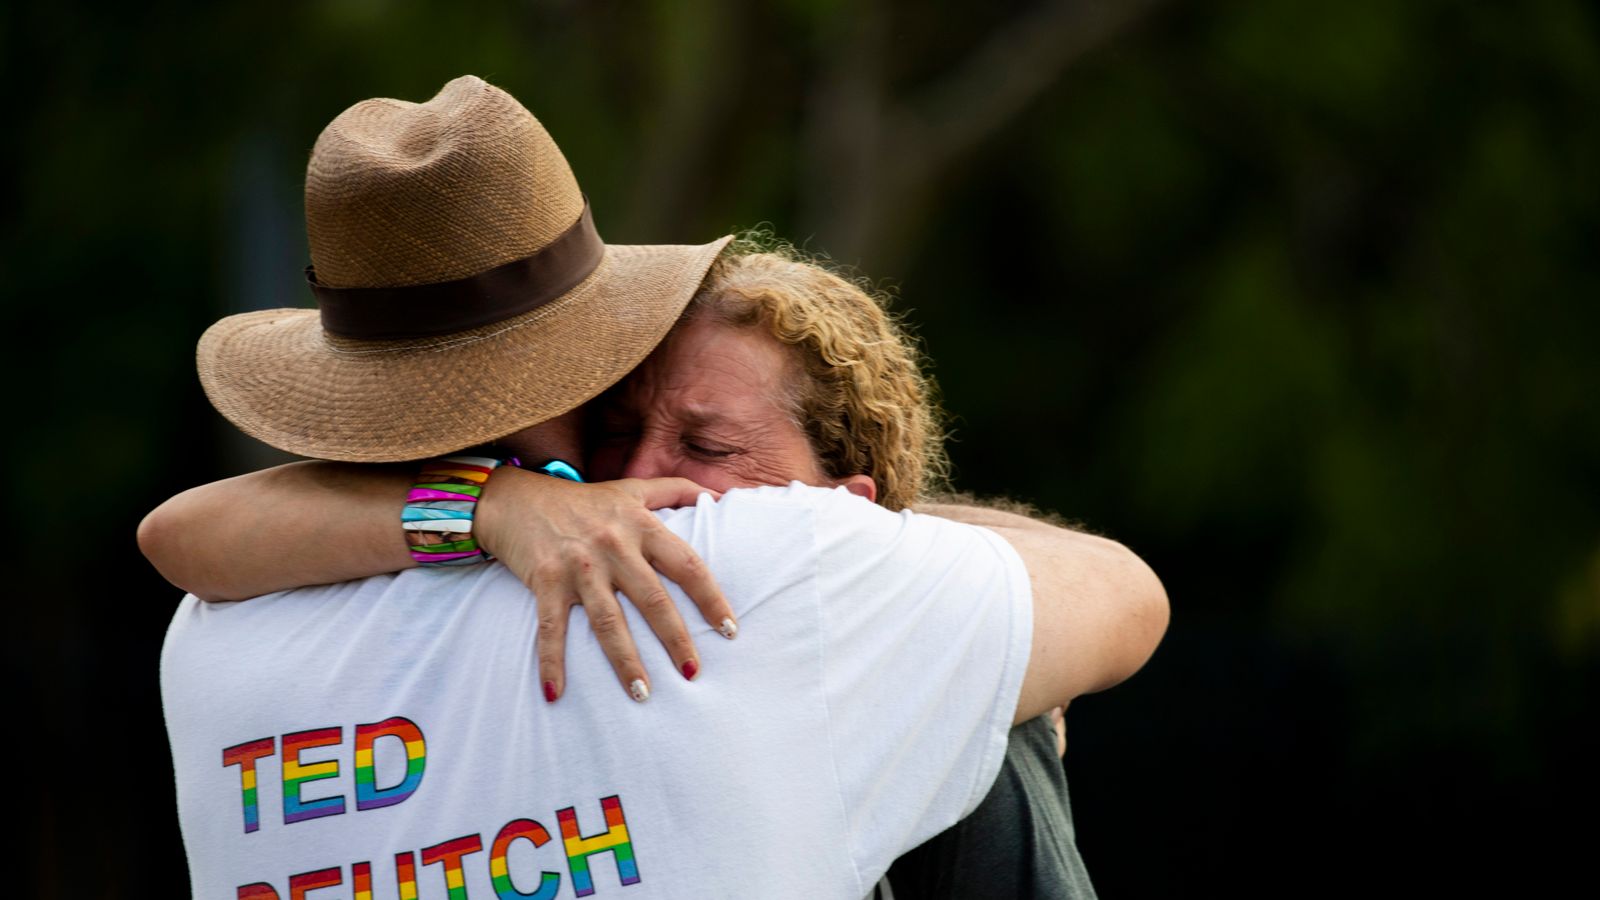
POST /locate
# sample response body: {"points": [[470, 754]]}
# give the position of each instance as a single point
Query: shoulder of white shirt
{"points": [[795, 493]]}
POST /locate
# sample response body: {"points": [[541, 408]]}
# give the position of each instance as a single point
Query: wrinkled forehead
{"points": [[707, 372]]}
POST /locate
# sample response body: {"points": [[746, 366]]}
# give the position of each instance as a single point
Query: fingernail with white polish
{"points": [[729, 629], [638, 690]]}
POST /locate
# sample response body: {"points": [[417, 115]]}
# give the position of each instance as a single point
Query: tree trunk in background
{"points": [[690, 71], [872, 163]]}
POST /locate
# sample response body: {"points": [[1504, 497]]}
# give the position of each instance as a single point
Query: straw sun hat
{"points": [[463, 292]]}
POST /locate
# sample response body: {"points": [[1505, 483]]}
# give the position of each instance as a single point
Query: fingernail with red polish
{"points": [[549, 692], [690, 669]]}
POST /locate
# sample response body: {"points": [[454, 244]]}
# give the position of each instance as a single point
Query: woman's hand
{"points": [[576, 544]]}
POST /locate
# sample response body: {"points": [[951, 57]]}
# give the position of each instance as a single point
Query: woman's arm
{"points": [[294, 525], [319, 522], [1098, 609]]}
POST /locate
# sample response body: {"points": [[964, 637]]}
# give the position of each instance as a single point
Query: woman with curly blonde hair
{"points": [[855, 387]]}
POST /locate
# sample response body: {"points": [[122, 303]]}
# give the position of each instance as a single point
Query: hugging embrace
{"points": [[728, 447]]}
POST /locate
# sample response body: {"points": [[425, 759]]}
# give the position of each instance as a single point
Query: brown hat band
{"points": [[425, 310]]}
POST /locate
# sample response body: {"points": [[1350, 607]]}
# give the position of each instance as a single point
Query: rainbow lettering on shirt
{"points": [[244, 756], [500, 871], [405, 874], [361, 880], [258, 891], [450, 853], [300, 885], [368, 794], [296, 775], [580, 848]]}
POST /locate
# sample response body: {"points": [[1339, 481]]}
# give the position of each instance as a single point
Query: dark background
{"points": [[1299, 300]]}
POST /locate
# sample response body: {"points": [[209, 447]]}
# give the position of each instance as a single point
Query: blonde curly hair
{"points": [[863, 401]]}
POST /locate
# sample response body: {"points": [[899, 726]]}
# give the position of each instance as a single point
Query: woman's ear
{"points": [[860, 485]]}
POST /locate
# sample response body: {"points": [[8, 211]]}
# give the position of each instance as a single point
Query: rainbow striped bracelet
{"points": [[438, 513], [437, 517]]}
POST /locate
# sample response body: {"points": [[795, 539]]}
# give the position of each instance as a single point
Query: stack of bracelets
{"points": [[439, 509]]}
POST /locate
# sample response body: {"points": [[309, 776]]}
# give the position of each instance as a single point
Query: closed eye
{"points": [[707, 452]]}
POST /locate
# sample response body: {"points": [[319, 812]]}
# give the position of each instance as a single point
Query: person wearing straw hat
{"points": [[393, 718]]}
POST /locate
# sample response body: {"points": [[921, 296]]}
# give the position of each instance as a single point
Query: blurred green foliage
{"points": [[1299, 299]]}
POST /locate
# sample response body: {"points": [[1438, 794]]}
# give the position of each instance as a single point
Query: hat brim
{"points": [[282, 380]]}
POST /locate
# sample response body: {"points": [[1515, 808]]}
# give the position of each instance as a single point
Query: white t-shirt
{"points": [[388, 737]]}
